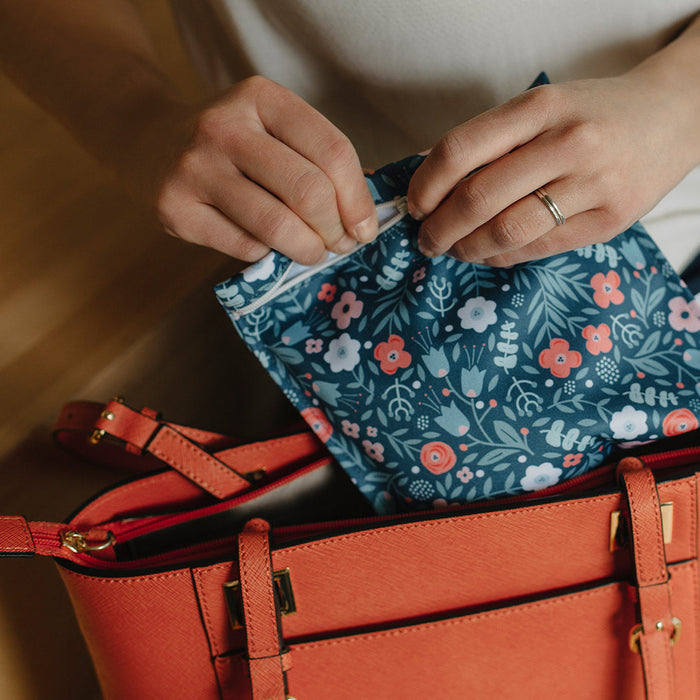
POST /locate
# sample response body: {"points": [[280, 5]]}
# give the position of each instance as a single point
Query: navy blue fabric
{"points": [[436, 382]]}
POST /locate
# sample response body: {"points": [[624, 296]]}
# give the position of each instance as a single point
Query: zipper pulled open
{"points": [[583, 485], [388, 213]]}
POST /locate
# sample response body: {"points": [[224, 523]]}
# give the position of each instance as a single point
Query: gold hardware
{"points": [[283, 591], [77, 542], [96, 436], [255, 475], [637, 630], [617, 534]]}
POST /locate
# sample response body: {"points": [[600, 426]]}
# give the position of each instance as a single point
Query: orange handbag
{"points": [[181, 589]]}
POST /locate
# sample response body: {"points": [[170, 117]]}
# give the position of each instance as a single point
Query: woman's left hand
{"points": [[605, 151]]}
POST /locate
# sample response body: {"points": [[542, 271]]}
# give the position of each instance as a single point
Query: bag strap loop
{"points": [[267, 658], [658, 629]]}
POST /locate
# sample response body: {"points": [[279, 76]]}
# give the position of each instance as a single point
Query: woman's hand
{"points": [[262, 169], [259, 168], [606, 151]]}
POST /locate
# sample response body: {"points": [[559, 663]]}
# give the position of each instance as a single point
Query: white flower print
{"points": [[261, 270], [477, 314], [343, 353], [628, 423], [540, 476]]}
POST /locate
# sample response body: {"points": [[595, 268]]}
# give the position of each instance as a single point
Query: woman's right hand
{"points": [[258, 169]]}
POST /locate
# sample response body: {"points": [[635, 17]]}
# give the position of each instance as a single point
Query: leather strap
{"points": [[657, 623], [216, 463], [266, 657], [15, 537]]}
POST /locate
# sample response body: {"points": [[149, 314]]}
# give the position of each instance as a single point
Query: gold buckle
{"points": [[283, 591], [637, 630], [77, 542], [617, 534]]}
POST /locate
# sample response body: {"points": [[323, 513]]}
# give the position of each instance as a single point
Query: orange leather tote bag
{"points": [[183, 590]]}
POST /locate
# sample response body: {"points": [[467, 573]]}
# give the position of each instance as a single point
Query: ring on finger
{"points": [[554, 210]]}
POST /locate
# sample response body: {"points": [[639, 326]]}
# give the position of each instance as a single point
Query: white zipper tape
{"points": [[389, 214]]}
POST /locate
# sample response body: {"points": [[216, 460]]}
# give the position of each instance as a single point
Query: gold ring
{"points": [[551, 205]]}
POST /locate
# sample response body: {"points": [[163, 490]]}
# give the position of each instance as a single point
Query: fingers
{"points": [[471, 145], [239, 218], [262, 165], [204, 225], [311, 135], [488, 194], [300, 184], [475, 190], [522, 225], [577, 232], [268, 219]]}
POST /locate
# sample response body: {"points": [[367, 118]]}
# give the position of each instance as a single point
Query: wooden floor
{"points": [[94, 300]]}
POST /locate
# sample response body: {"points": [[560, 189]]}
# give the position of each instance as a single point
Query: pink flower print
{"points": [[327, 292], [314, 345], [418, 274], [318, 422], [606, 289], [347, 308], [685, 315], [465, 475], [374, 450], [558, 359], [371, 431], [350, 429], [597, 339], [391, 355], [571, 459]]}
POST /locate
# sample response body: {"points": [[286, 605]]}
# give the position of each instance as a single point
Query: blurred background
{"points": [[95, 300]]}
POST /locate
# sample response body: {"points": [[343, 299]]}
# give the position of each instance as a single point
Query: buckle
{"points": [[283, 593], [637, 631]]}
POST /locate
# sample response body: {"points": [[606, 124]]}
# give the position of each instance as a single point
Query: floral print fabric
{"points": [[436, 382]]}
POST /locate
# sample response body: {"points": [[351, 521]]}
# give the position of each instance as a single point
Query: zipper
{"points": [[57, 540], [283, 284], [292, 533]]}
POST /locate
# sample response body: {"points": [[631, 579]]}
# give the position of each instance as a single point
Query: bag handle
{"points": [[229, 470], [118, 435], [658, 629]]}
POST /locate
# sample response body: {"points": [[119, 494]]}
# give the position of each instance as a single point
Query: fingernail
{"points": [[345, 245], [425, 250], [366, 231], [415, 213]]}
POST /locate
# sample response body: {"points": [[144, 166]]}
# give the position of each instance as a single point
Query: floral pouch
{"points": [[436, 382]]}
